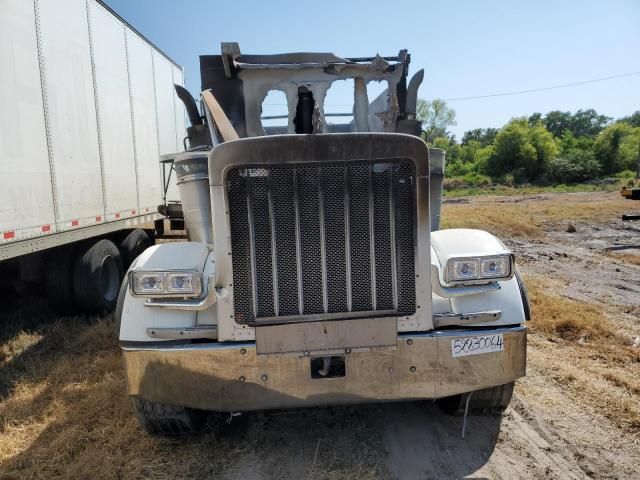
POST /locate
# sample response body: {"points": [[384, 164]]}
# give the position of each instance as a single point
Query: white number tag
{"points": [[463, 346]]}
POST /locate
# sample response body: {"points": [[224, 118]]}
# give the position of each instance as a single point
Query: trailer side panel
{"points": [[144, 120], [72, 112], [166, 109], [114, 112], [26, 200]]}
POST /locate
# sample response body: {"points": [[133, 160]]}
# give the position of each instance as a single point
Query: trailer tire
{"points": [[492, 400], [133, 245], [167, 420], [59, 280], [97, 276]]}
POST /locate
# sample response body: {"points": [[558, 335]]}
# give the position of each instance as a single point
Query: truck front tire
{"points": [[493, 400], [97, 276], [167, 420]]}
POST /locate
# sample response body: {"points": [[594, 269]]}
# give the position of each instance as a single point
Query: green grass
{"points": [[528, 189]]}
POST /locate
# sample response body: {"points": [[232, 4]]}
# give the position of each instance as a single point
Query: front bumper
{"points": [[232, 377]]}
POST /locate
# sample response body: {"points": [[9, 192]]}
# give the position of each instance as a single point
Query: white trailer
{"points": [[87, 107]]}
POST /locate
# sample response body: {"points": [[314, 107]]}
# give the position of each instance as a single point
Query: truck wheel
{"points": [[168, 420], [96, 277], [59, 280], [493, 400], [133, 245]]}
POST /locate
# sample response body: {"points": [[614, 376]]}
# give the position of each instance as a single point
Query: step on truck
{"points": [[316, 272], [88, 105]]}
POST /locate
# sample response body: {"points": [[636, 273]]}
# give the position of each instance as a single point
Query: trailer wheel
{"points": [[167, 420], [133, 245], [493, 400], [59, 280], [96, 277]]}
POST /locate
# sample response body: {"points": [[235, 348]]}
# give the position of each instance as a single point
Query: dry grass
{"points": [[530, 216], [583, 350], [632, 258], [64, 413], [559, 317]]}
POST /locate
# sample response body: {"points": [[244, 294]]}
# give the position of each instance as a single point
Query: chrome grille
{"points": [[322, 240]]}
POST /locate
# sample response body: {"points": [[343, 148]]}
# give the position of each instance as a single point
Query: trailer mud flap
{"points": [[312, 338]]}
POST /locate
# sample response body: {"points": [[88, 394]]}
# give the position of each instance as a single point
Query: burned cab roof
{"points": [[241, 82]]}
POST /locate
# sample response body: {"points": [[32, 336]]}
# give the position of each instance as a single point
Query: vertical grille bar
{"points": [[310, 239], [274, 254], [283, 212], [262, 238], [333, 193], [359, 238], [405, 237], [381, 182], [296, 208], [347, 242], [392, 238], [372, 243], [323, 246], [252, 247]]}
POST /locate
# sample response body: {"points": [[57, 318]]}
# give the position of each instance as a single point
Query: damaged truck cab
{"points": [[316, 272]]}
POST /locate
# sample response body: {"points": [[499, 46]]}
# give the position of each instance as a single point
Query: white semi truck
{"points": [[316, 272], [87, 108]]}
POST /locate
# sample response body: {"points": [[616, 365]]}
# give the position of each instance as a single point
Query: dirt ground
{"points": [[64, 414]]}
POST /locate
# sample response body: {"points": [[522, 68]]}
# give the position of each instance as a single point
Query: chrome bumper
{"points": [[232, 377]]}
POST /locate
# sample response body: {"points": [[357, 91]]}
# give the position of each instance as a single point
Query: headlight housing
{"points": [[473, 270], [177, 283]]}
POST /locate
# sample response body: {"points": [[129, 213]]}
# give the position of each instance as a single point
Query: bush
{"points": [[522, 150], [477, 179], [508, 180], [454, 183], [574, 166], [617, 147], [626, 174], [456, 168]]}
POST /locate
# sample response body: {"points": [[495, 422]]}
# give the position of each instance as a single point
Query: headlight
{"points": [[188, 283], [495, 267], [463, 269], [474, 269], [167, 284], [148, 283]]}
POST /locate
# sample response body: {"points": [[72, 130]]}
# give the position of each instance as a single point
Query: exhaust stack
{"points": [[192, 174], [436, 166]]}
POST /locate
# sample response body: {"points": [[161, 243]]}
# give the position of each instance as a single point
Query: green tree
{"points": [[630, 151], [449, 144], [484, 136], [522, 151], [535, 118], [568, 141], [557, 122], [633, 119], [616, 147], [582, 123], [436, 117], [588, 123], [469, 150]]}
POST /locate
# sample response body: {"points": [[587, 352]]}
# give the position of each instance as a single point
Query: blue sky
{"points": [[466, 47]]}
